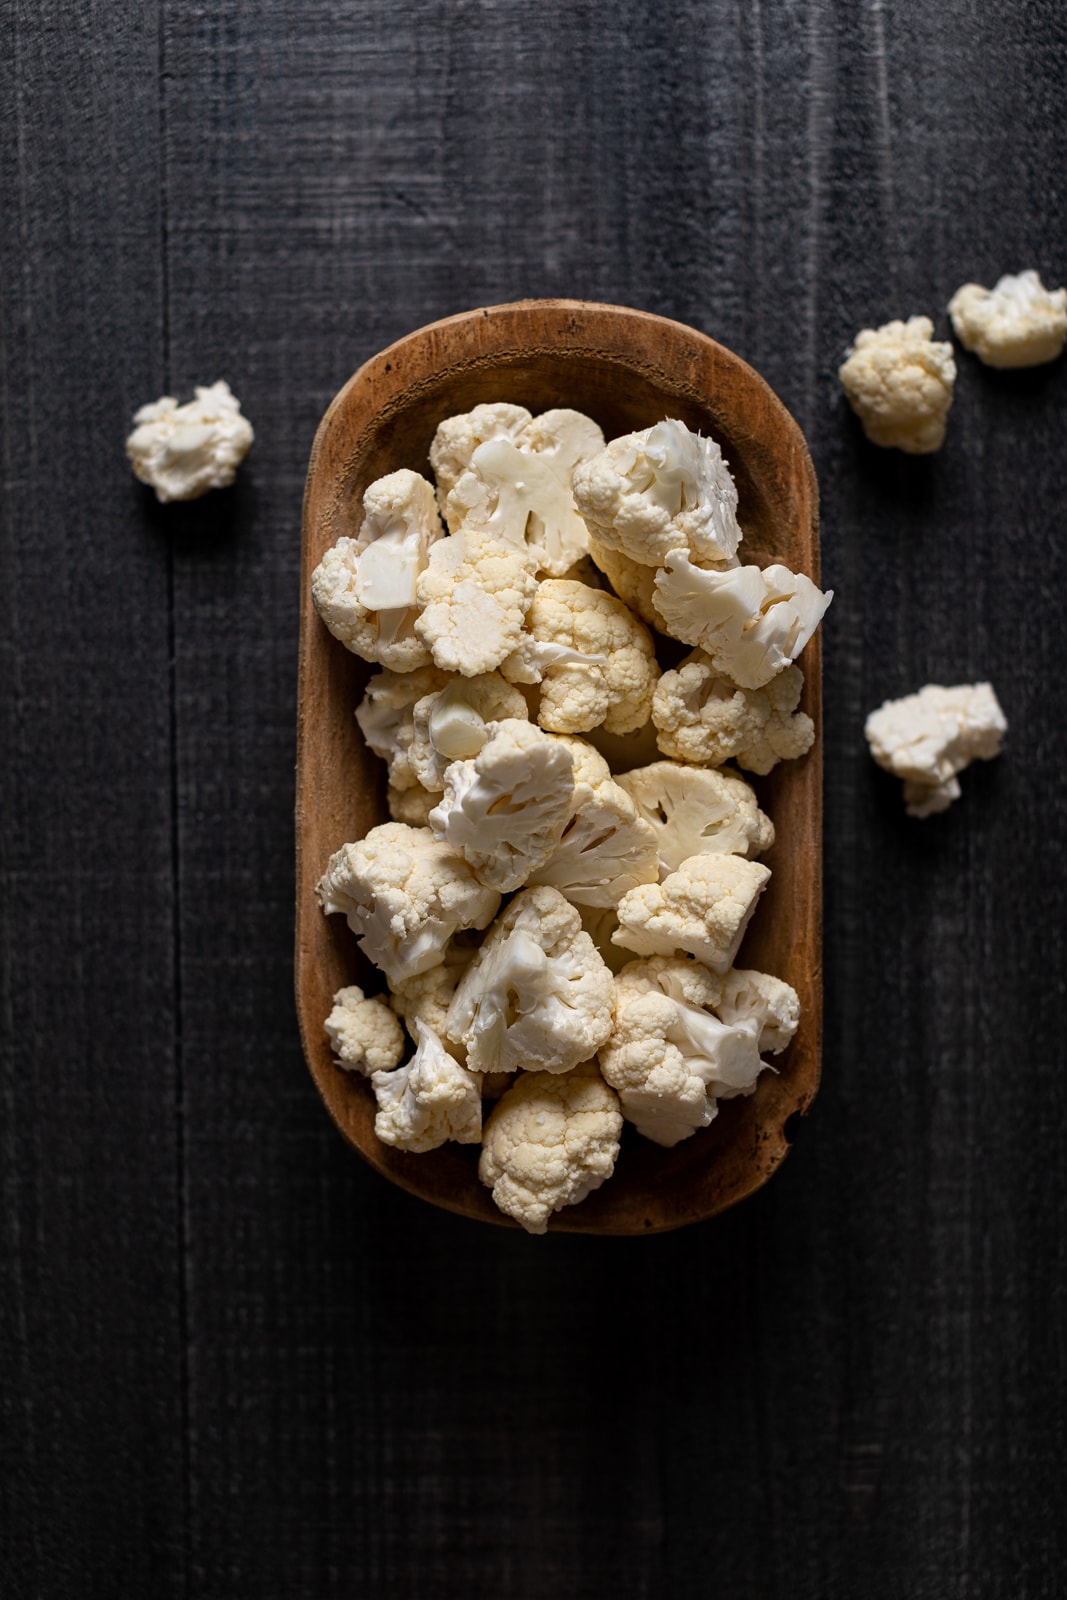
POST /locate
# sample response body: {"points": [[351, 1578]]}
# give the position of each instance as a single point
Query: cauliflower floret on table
{"points": [[386, 716], [537, 995], [751, 622], [451, 724], [549, 1142], [519, 489], [457, 438], [929, 737], [770, 1002], [899, 381], [183, 451], [669, 1057], [703, 717], [1017, 323], [703, 907], [661, 489], [506, 809], [365, 1035], [431, 1100], [697, 810], [366, 589], [474, 592], [404, 895], [592, 657]]}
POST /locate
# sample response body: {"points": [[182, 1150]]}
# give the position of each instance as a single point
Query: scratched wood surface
{"points": [[235, 1361]]}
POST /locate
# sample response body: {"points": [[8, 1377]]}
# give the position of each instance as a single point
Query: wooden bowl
{"points": [[626, 369]]}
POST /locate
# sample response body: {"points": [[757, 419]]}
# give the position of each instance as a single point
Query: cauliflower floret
{"points": [[604, 850], [507, 808], [772, 1003], [633, 582], [1017, 323], [183, 451], [404, 895], [694, 811], [451, 725], [365, 1035], [537, 995], [520, 491], [899, 380], [429, 994], [662, 489], [365, 589], [704, 907], [929, 737], [549, 1142], [386, 716], [669, 1058], [457, 438], [412, 806], [475, 593], [430, 1101], [751, 622], [612, 677], [703, 717]]}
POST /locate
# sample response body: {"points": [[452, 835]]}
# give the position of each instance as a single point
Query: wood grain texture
{"points": [[854, 1383], [625, 369]]}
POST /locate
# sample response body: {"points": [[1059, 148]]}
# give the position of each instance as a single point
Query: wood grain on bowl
{"points": [[626, 369]]}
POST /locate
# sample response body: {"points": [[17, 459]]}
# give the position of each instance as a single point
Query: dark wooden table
{"points": [[237, 1363]]}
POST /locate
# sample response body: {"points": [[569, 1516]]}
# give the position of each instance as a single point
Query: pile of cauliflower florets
{"points": [[528, 861]]}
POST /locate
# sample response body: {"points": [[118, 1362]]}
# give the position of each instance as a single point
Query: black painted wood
{"points": [[236, 1363]]}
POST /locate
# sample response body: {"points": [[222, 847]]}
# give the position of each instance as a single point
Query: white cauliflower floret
{"points": [[507, 808], [428, 1102], [704, 907], [899, 381], [771, 1003], [412, 806], [386, 716], [633, 581], [751, 622], [694, 810], [183, 451], [537, 995], [605, 849], [404, 895], [519, 490], [452, 724], [664, 488], [429, 994], [929, 737], [608, 669], [1017, 323], [365, 589], [702, 716], [457, 438], [474, 593], [365, 1035], [549, 1142], [668, 1057]]}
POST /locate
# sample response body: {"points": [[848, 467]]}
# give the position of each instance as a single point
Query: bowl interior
{"points": [[626, 370]]}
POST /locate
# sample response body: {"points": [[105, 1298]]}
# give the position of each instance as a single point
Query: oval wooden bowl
{"points": [[627, 369]]}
